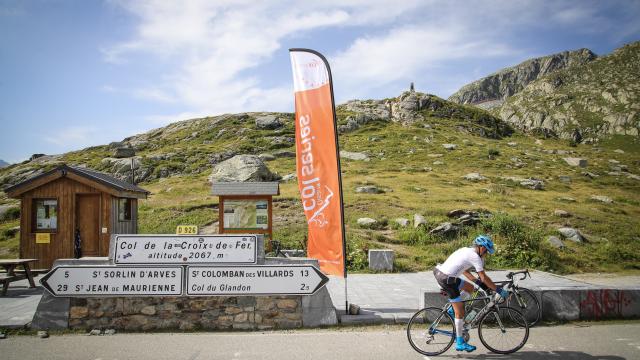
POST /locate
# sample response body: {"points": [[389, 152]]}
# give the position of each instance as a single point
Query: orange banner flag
{"points": [[318, 161]]}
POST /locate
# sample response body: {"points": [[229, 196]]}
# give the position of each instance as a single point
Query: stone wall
{"points": [[207, 313]]}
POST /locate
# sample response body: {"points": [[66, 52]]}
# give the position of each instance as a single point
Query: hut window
{"points": [[46, 214], [124, 209]]}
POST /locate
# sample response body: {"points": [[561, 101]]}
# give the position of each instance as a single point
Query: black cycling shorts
{"points": [[450, 284]]}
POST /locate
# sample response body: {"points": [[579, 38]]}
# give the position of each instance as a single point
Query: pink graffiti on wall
{"points": [[605, 303]]}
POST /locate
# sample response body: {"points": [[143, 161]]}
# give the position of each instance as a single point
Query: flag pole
{"points": [[344, 234], [335, 127]]}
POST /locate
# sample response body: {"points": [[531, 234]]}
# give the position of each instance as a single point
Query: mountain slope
{"points": [[492, 90], [3, 163], [421, 153], [599, 98]]}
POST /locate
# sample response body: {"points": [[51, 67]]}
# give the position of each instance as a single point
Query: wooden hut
{"points": [[69, 202]]}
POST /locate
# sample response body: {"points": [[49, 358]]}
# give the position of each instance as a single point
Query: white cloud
{"points": [[218, 47], [404, 53]]}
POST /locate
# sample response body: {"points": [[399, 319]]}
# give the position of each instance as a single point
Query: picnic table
{"points": [[10, 276]]}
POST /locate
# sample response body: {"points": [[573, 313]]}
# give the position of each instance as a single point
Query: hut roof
{"points": [[99, 180]]}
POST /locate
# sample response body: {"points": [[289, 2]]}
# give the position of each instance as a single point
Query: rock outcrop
{"points": [[491, 91], [582, 103], [412, 107]]}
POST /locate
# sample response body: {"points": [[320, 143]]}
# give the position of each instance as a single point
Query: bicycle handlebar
{"points": [[510, 275]]}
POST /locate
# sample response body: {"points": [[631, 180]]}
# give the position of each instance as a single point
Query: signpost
{"points": [[85, 281], [184, 249], [175, 265], [254, 280]]}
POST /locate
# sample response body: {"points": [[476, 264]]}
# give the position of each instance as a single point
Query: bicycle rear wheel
{"points": [[431, 331], [527, 303], [500, 333]]}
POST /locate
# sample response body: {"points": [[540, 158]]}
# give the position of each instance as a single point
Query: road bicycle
{"points": [[501, 329], [522, 298]]}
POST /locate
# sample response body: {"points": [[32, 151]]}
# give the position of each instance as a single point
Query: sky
{"points": [[79, 73]]}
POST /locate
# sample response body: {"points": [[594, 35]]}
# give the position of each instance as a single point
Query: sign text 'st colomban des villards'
{"points": [[317, 160]]}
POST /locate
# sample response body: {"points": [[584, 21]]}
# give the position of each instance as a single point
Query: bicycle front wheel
{"points": [[431, 331], [500, 333], [526, 301]]}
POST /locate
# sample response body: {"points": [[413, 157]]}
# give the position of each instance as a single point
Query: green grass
{"points": [[9, 242], [398, 158]]}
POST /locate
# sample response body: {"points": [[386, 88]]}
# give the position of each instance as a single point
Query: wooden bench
{"points": [[10, 276]]}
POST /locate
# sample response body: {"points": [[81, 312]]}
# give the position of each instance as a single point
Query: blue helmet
{"points": [[485, 240]]}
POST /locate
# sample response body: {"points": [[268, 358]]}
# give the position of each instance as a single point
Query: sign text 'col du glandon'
{"points": [[254, 280], [171, 249]]}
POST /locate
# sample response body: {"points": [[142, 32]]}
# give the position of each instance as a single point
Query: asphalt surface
{"points": [[608, 341]]}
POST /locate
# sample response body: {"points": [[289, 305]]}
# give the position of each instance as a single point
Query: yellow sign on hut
{"points": [[43, 238]]}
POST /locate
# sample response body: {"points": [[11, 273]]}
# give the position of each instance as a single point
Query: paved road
{"points": [[601, 341]]}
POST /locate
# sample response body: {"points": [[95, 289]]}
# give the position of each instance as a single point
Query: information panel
{"points": [[254, 280], [246, 214], [183, 249], [85, 281]]}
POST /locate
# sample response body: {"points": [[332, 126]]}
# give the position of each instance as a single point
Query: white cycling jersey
{"points": [[461, 260]]}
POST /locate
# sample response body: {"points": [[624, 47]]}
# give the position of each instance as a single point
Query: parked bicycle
{"points": [[501, 329]]}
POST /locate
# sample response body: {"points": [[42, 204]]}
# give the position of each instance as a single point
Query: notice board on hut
{"points": [[246, 207]]}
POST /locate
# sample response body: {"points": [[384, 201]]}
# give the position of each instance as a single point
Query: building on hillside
{"points": [[68, 204]]}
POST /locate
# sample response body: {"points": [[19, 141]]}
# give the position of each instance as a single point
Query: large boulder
{"points": [[356, 156], [369, 189], [571, 234], [419, 220], [268, 122], [445, 229], [123, 152], [242, 168], [367, 222]]}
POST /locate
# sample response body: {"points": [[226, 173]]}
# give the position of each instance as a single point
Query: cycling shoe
{"points": [[461, 345]]}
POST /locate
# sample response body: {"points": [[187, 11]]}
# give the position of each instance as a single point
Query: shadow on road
{"points": [[22, 292], [539, 355]]}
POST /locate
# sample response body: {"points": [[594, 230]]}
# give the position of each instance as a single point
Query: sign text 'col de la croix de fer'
{"points": [[171, 249]]}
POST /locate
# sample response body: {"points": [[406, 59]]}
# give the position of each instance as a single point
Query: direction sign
{"points": [[183, 249], [254, 280], [84, 281]]}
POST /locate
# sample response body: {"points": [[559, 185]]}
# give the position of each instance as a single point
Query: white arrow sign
{"points": [[254, 280], [184, 249], [83, 281]]}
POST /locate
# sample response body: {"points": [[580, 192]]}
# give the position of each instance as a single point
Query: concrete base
{"points": [[52, 313], [381, 259], [570, 304]]}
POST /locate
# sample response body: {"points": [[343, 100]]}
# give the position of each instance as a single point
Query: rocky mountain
{"points": [[421, 176], [491, 91], [588, 101], [3, 163], [194, 146]]}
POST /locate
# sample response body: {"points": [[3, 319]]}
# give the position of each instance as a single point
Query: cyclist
{"points": [[458, 290]]}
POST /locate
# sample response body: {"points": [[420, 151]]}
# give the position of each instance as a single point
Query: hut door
{"points": [[88, 222]]}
